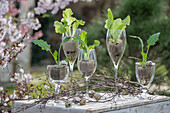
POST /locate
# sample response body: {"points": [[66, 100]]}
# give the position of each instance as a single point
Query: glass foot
{"points": [[145, 96]]}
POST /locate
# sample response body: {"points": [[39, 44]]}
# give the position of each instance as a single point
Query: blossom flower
{"points": [[39, 10], [45, 86], [1, 88], [4, 4], [21, 70], [49, 5], [22, 0], [13, 11]]}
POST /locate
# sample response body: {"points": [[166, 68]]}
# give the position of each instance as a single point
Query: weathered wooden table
{"points": [[158, 104]]}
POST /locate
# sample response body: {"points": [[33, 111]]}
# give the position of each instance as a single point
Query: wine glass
{"points": [[145, 76], [87, 64], [71, 51], [57, 75], [116, 50]]}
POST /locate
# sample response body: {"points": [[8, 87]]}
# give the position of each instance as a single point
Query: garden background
{"points": [[147, 17]]}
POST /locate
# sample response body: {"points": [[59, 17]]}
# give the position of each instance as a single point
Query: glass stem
{"points": [[116, 69], [57, 88], [86, 80], [71, 70], [144, 91]]}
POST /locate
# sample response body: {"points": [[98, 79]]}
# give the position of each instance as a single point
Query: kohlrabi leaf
{"points": [[76, 24], [126, 21], [67, 13], [96, 43], [143, 64], [153, 39], [144, 55], [59, 27], [67, 16], [45, 15], [109, 21], [117, 34], [108, 24], [116, 24], [55, 55], [83, 36], [42, 44], [110, 15], [76, 39], [65, 40], [67, 60]]}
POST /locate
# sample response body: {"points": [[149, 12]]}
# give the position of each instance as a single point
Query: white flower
{"points": [[7, 99], [12, 79], [39, 10], [26, 97], [30, 15], [4, 7], [1, 88], [21, 70], [21, 45], [45, 86], [5, 104]]}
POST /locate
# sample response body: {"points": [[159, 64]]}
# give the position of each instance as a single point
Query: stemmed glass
{"points": [[71, 51], [57, 75], [116, 50], [145, 76], [87, 64]]}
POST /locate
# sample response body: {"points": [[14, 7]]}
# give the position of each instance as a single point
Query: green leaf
{"points": [[42, 44], [108, 24], [91, 47], [67, 16], [117, 34], [55, 55], [109, 21], [59, 27], [67, 13], [153, 39], [143, 64], [121, 26], [144, 59], [126, 21], [96, 43], [76, 39], [116, 24], [144, 55], [110, 15], [45, 15], [67, 60], [65, 40], [81, 22], [76, 24], [83, 36]]}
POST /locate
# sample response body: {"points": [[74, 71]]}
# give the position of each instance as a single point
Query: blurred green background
{"points": [[147, 17]]}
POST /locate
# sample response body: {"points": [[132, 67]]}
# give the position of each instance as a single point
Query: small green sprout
{"points": [[46, 47], [150, 42], [116, 26], [83, 40], [68, 23]]}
